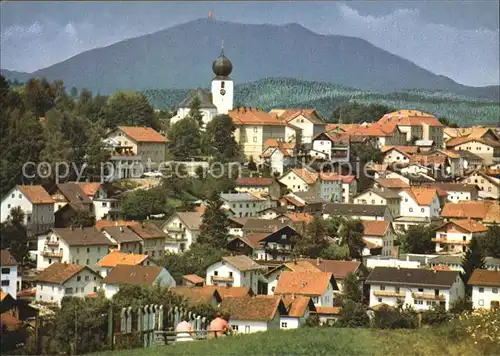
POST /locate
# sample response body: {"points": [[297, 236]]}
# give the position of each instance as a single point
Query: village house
{"points": [[470, 132], [358, 211], [115, 258], [248, 245], [485, 289], [489, 186], [320, 286], [380, 135], [153, 239], [193, 280], [308, 120], [339, 269], [419, 288], [136, 275], [123, 239], [395, 184], [36, 204], [415, 125], [273, 274], [334, 148], [337, 188], [418, 206], [257, 184], [250, 225], [198, 295], [298, 310], [301, 202], [254, 127], [144, 142], [374, 196], [70, 201], [103, 205], [484, 211], [381, 234], [182, 230], [398, 154], [278, 245], [235, 271], [485, 148], [278, 155], [84, 246], [300, 179], [456, 192], [246, 204], [254, 314], [11, 281], [455, 235], [298, 221], [470, 160], [61, 280]]}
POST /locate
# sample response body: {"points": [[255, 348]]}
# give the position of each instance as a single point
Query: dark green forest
{"points": [[286, 92]]}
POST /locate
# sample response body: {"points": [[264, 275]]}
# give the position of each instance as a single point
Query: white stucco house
{"points": [[253, 314], [115, 258], [36, 204], [182, 230], [485, 289], [246, 204], [420, 288], [417, 206], [135, 275], [103, 204], [454, 236], [235, 271], [84, 246], [11, 282], [61, 280]]}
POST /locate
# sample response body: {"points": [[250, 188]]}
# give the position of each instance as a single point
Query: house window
{"points": [[494, 290], [481, 302], [5, 270], [230, 274], [13, 195], [397, 289], [411, 210], [87, 262], [422, 210], [68, 291], [216, 273], [78, 250], [284, 325], [382, 287], [379, 300], [421, 290], [95, 289], [255, 130], [78, 278], [5, 283], [235, 327], [419, 302], [255, 139], [8, 206], [77, 262], [88, 249], [104, 204], [87, 278], [481, 290], [247, 329]]}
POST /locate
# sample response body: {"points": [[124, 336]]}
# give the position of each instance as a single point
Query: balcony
{"points": [[427, 296], [173, 238], [51, 254], [388, 293], [223, 279], [450, 242], [52, 243], [176, 229]]}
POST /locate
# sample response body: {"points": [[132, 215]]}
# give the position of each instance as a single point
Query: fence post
{"points": [[140, 323], [110, 327]]}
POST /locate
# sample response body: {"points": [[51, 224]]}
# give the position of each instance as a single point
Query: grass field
{"points": [[319, 341]]}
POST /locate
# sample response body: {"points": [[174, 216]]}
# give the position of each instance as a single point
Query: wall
{"points": [[154, 247], [480, 149], [484, 184], [294, 182], [483, 299], [224, 103], [330, 190], [248, 326], [393, 156], [306, 126], [291, 323], [87, 255], [56, 245], [10, 283], [177, 230], [410, 208]]}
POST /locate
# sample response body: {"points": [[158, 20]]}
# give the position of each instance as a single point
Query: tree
{"points": [[314, 241], [140, 204], [335, 252], [251, 164], [74, 92], [351, 289], [83, 219], [353, 315], [490, 242], [351, 233], [473, 258], [195, 112], [220, 141], [39, 96], [130, 109], [214, 228], [357, 113], [185, 139], [418, 239], [14, 234]]}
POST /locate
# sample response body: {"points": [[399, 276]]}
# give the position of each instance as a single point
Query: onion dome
{"points": [[222, 66]]}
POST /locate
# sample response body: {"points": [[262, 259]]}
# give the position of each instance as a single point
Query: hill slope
{"points": [[284, 92], [181, 57]]}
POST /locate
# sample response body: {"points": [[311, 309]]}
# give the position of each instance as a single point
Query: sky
{"points": [[458, 39]]}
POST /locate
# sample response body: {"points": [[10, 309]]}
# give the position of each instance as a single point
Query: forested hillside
{"points": [[286, 92]]}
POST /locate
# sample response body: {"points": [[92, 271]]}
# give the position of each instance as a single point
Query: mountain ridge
{"points": [[180, 57]]}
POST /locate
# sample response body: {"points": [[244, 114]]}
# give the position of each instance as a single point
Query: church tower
{"points": [[222, 84]]}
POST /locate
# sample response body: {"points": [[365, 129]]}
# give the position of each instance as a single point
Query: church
{"points": [[220, 98]]}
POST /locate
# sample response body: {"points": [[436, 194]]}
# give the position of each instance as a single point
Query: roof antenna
{"points": [[222, 48]]}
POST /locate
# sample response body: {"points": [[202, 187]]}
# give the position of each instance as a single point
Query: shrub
{"points": [[435, 316], [395, 318], [353, 315]]}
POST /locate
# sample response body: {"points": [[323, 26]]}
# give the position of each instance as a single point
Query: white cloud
{"points": [[468, 56]]}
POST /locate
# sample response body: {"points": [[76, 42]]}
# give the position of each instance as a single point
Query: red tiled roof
{"points": [[193, 278], [58, 273], [375, 227], [296, 305], [423, 196], [261, 308], [300, 217], [36, 194], [469, 225], [115, 258], [231, 292], [310, 114], [392, 183], [147, 231], [303, 283], [410, 118], [254, 239], [90, 188], [337, 177], [474, 210], [340, 269], [328, 310], [460, 140], [305, 174], [143, 134], [252, 116], [254, 181], [100, 224], [293, 201], [6, 258], [481, 277]]}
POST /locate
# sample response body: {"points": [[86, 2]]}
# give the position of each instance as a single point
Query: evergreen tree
{"points": [[418, 239], [351, 289], [251, 164], [130, 109], [214, 228], [473, 258], [74, 93], [351, 233], [314, 241], [14, 234], [490, 242], [220, 141], [195, 112]]}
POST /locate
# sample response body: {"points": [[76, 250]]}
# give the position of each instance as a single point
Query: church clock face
{"points": [[222, 91]]}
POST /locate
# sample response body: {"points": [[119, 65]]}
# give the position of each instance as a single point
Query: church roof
{"points": [[205, 98]]}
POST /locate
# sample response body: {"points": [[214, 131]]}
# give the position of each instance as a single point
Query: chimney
{"points": [[318, 261], [121, 228]]}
